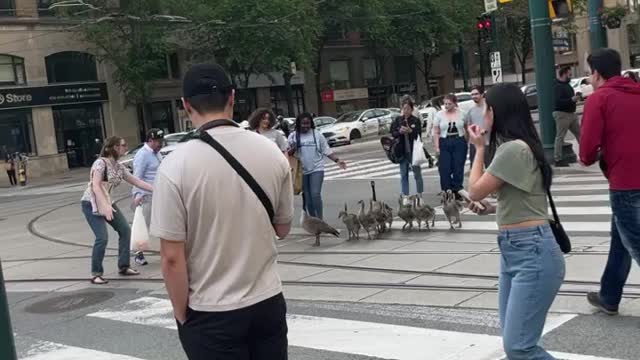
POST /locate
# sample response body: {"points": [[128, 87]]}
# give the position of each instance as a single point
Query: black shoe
{"points": [[561, 163], [594, 299], [140, 260]]}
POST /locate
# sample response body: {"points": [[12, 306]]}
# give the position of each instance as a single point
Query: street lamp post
{"points": [[598, 33], [545, 71]]}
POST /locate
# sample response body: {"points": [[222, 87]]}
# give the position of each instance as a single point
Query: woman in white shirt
{"points": [[451, 145], [262, 121]]}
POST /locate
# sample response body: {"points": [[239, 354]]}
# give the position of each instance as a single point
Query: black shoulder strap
{"points": [[552, 205], [241, 170]]}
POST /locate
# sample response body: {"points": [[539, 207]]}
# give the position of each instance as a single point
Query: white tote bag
{"points": [[419, 157], [139, 232]]}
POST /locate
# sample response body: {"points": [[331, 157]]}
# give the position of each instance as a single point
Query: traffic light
{"points": [[484, 26], [560, 9]]}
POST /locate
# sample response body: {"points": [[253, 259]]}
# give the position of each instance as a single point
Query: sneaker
{"points": [[594, 299], [140, 260], [561, 163]]}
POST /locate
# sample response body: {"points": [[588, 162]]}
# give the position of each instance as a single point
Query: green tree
{"points": [[132, 38]]}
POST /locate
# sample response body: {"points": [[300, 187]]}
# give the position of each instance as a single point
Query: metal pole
{"points": [[7, 345], [481, 56], [545, 71], [465, 69], [597, 32]]}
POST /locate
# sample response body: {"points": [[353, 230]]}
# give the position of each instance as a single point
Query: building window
{"points": [[71, 66], [78, 127], [16, 132], [339, 71], [7, 8], [12, 70], [279, 100], [405, 69], [370, 71]]}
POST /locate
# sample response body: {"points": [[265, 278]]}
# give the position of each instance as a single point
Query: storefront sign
{"points": [[350, 94], [22, 97], [327, 96]]}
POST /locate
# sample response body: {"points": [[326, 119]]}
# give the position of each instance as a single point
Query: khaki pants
{"points": [[564, 122]]}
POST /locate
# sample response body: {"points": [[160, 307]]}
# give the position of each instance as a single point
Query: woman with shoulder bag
{"points": [[532, 265], [10, 167], [99, 210], [406, 128]]}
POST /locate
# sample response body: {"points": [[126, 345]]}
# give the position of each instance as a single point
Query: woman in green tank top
{"points": [[532, 266]]}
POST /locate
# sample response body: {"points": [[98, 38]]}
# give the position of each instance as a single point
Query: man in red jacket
{"points": [[610, 128]]}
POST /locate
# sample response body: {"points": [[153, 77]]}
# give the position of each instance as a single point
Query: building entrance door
{"points": [[79, 132]]}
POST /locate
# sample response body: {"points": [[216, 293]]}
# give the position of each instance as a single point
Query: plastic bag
{"points": [[419, 158], [139, 231]]}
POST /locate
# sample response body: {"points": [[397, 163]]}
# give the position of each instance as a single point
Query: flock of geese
{"points": [[379, 217]]}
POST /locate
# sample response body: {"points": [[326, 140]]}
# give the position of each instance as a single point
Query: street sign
{"points": [[490, 5], [496, 75], [496, 62]]}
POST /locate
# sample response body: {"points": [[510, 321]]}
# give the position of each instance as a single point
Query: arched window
{"points": [[71, 66], [12, 70]]}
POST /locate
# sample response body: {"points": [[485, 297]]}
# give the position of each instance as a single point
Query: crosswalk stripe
{"points": [[352, 164], [581, 198], [367, 171], [46, 350], [595, 227], [349, 336], [563, 179]]}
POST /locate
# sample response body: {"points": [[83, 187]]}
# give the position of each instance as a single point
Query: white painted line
{"points": [[353, 164], [567, 356], [349, 336], [364, 170], [46, 350], [571, 226], [581, 198], [598, 179], [565, 211], [580, 187]]}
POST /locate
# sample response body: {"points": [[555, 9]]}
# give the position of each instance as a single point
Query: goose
{"points": [[377, 210], [451, 208], [423, 212], [388, 215], [351, 222], [366, 219], [405, 212], [315, 226]]}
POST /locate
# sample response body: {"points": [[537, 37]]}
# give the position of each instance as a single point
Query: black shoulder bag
{"points": [[558, 231], [203, 135]]}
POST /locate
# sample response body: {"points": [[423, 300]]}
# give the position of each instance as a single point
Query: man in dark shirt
{"points": [[564, 114]]}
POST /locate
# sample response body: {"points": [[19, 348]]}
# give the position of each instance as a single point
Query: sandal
{"points": [[99, 280], [129, 272]]}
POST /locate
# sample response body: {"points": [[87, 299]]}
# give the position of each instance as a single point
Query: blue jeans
{"points": [[405, 165], [98, 225], [531, 271], [312, 192], [616, 271], [453, 155], [625, 206]]}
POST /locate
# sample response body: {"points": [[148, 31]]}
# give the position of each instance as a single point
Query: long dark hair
{"points": [[256, 117], [299, 118], [512, 121]]}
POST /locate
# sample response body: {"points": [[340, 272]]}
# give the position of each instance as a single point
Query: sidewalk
{"points": [[71, 176]]}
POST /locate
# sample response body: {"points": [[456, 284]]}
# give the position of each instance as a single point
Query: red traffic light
{"points": [[487, 24], [480, 26]]}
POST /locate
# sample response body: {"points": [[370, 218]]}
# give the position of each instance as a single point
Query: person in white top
{"points": [[263, 121]]}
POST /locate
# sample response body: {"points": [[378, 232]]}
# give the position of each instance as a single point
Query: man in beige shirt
{"points": [[217, 239]]}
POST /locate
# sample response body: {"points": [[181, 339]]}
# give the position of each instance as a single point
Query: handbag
{"points": [[139, 231], [418, 156], [296, 174], [556, 227], [233, 162]]}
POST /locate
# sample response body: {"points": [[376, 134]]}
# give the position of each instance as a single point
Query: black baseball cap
{"points": [[205, 79], [155, 134]]}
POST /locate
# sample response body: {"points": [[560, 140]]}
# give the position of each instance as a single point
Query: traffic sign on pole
{"points": [[496, 76], [496, 61], [490, 5]]}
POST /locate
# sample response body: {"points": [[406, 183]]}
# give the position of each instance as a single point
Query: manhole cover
{"points": [[67, 303]]}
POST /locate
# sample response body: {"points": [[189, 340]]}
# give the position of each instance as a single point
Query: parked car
{"points": [[324, 121], [428, 113], [465, 102], [582, 87], [531, 93], [358, 124], [127, 159], [171, 141]]}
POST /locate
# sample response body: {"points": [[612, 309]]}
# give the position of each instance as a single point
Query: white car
{"points": [[358, 124], [170, 142], [324, 121], [582, 87]]}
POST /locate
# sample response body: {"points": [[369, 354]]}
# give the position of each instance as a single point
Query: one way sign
{"points": [[496, 75]]}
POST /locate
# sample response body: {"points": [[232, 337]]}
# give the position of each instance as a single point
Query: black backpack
{"points": [[390, 145]]}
